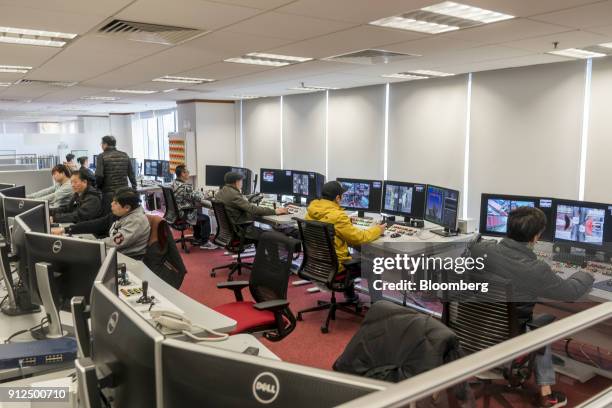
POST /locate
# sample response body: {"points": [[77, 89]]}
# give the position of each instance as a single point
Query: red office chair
{"points": [[269, 313]]}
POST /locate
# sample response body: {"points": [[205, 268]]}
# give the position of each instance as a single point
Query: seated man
{"points": [[84, 164], [513, 258], [187, 197], [60, 193], [241, 212], [70, 163], [125, 228], [327, 209], [86, 203]]}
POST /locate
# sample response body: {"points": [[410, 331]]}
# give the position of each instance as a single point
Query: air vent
{"points": [[370, 57], [45, 83], [150, 33]]}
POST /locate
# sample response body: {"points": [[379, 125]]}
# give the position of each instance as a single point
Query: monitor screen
{"points": [[291, 182], [18, 192], [215, 175], [407, 199], [151, 168], [442, 206], [300, 184], [583, 223], [361, 195], [494, 210], [163, 168]]}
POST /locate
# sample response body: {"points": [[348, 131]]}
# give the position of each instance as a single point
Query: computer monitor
{"points": [[494, 210], [4, 186], [108, 274], [126, 346], [361, 195], [163, 169], [151, 168], [404, 199], [196, 375], [583, 224], [215, 176], [296, 183], [442, 206], [17, 191], [276, 181], [14, 206], [61, 267]]}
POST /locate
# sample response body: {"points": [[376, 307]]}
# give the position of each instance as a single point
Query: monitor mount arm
{"points": [[18, 302], [45, 277]]}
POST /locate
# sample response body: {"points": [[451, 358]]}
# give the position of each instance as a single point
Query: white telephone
{"points": [[175, 321]]}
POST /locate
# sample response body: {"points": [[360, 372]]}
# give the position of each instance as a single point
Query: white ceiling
{"points": [[307, 28]]}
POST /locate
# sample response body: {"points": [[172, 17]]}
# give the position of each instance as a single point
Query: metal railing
{"points": [[444, 377]]}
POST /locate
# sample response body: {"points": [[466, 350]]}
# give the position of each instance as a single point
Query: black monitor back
{"points": [[17, 192], [13, 206], [215, 174], [126, 346], [77, 261], [5, 186], [196, 375]]}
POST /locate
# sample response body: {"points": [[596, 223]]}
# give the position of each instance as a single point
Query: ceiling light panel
{"points": [[14, 69], [430, 73], [577, 53], [411, 24], [272, 60], [26, 36], [311, 88], [182, 80], [6, 83], [133, 91], [404, 75], [99, 98], [450, 8]]}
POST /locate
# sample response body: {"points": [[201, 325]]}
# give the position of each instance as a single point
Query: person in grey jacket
{"points": [[240, 211], [130, 232], [59, 194], [513, 259]]}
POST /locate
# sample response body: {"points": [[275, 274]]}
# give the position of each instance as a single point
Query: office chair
{"points": [[162, 256], [320, 265], [483, 320], [232, 239], [172, 217], [269, 313]]}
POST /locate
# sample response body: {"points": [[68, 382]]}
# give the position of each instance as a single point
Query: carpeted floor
{"points": [[307, 345]]}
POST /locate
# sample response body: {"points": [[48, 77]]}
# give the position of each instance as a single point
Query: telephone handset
{"points": [[175, 321]]}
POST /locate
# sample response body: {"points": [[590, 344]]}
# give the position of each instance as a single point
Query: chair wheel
{"points": [[299, 317], [212, 274], [229, 278], [324, 330]]}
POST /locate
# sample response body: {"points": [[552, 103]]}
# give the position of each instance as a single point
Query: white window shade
{"points": [[599, 147], [427, 122], [526, 127], [261, 133], [304, 132], [356, 132]]}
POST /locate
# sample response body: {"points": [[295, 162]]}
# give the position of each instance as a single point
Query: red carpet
{"points": [[307, 345]]}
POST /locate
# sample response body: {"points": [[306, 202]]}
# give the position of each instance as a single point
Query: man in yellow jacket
{"points": [[327, 209]]}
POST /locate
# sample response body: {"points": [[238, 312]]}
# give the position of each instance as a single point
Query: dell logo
{"points": [[21, 204], [57, 246], [266, 388], [112, 322]]}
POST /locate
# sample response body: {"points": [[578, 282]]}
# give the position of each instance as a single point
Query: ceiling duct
{"points": [[150, 33], [59, 84]]}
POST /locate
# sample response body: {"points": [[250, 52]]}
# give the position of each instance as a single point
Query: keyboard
{"points": [[295, 209], [363, 222], [569, 258], [268, 204], [401, 229]]}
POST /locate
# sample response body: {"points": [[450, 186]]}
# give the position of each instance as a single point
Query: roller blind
{"points": [[261, 133]]}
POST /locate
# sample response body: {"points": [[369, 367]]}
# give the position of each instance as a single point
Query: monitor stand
{"points": [[45, 277], [444, 232], [17, 302]]}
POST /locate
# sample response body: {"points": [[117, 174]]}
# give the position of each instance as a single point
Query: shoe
{"points": [[555, 400], [209, 245]]}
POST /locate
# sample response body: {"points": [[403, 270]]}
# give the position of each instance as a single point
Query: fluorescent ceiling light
{"points": [[32, 41], [577, 53], [182, 80], [272, 60], [411, 24], [450, 8], [133, 91], [431, 73], [404, 75], [14, 69], [99, 98], [36, 33], [606, 45], [26, 36], [169, 90], [6, 83], [245, 96], [311, 88]]}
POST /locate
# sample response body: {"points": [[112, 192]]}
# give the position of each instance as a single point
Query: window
{"points": [[150, 134]]}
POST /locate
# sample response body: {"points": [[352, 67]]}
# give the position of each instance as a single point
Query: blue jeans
{"points": [[544, 368]]}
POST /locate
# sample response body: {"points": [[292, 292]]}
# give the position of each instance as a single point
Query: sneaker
{"points": [[555, 400], [209, 245]]}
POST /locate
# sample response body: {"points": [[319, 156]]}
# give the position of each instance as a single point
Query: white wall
{"points": [[120, 126], [261, 133]]}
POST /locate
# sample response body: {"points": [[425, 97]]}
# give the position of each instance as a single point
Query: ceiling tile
{"points": [[571, 39], [224, 70], [287, 26], [432, 45], [31, 56], [505, 31], [85, 7], [200, 14], [504, 63], [258, 4], [592, 15], [37, 19], [526, 8]]}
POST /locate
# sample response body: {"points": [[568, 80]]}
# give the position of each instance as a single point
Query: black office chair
{"points": [[173, 218], [320, 265], [232, 238], [482, 320], [270, 313]]}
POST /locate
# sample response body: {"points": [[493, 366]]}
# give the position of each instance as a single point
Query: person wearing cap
{"points": [[327, 209], [241, 212]]}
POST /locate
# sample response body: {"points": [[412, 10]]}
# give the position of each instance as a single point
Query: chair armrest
{"points": [[272, 305], [540, 321], [352, 263], [236, 286]]}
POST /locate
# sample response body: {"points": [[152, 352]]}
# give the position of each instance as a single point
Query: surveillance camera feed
{"points": [[357, 195], [268, 176], [498, 210], [398, 198], [580, 224], [300, 184], [442, 205]]}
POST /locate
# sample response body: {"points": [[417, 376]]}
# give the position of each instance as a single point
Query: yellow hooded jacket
{"points": [[346, 233]]}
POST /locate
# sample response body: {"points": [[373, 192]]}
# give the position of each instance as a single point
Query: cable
{"points": [[221, 336], [31, 329], [567, 351], [587, 356], [3, 300]]}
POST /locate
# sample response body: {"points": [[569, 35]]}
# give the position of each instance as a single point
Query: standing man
{"points": [[113, 169]]}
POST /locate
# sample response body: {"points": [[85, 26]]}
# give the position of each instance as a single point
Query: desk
{"points": [[55, 379], [240, 342], [152, 189]]}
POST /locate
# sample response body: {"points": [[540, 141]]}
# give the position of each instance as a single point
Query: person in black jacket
{"points": [[513, 259], [86, 203], [84, 164], [113, 170]]}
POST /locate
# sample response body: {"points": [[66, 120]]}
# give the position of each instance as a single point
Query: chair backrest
{"points": [[172, 212], [272, 266], [225, 229], [482, 320], [320, 262]]}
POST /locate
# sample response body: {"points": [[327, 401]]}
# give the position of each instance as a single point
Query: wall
{"points": [[121, 127], [261, 133]]}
